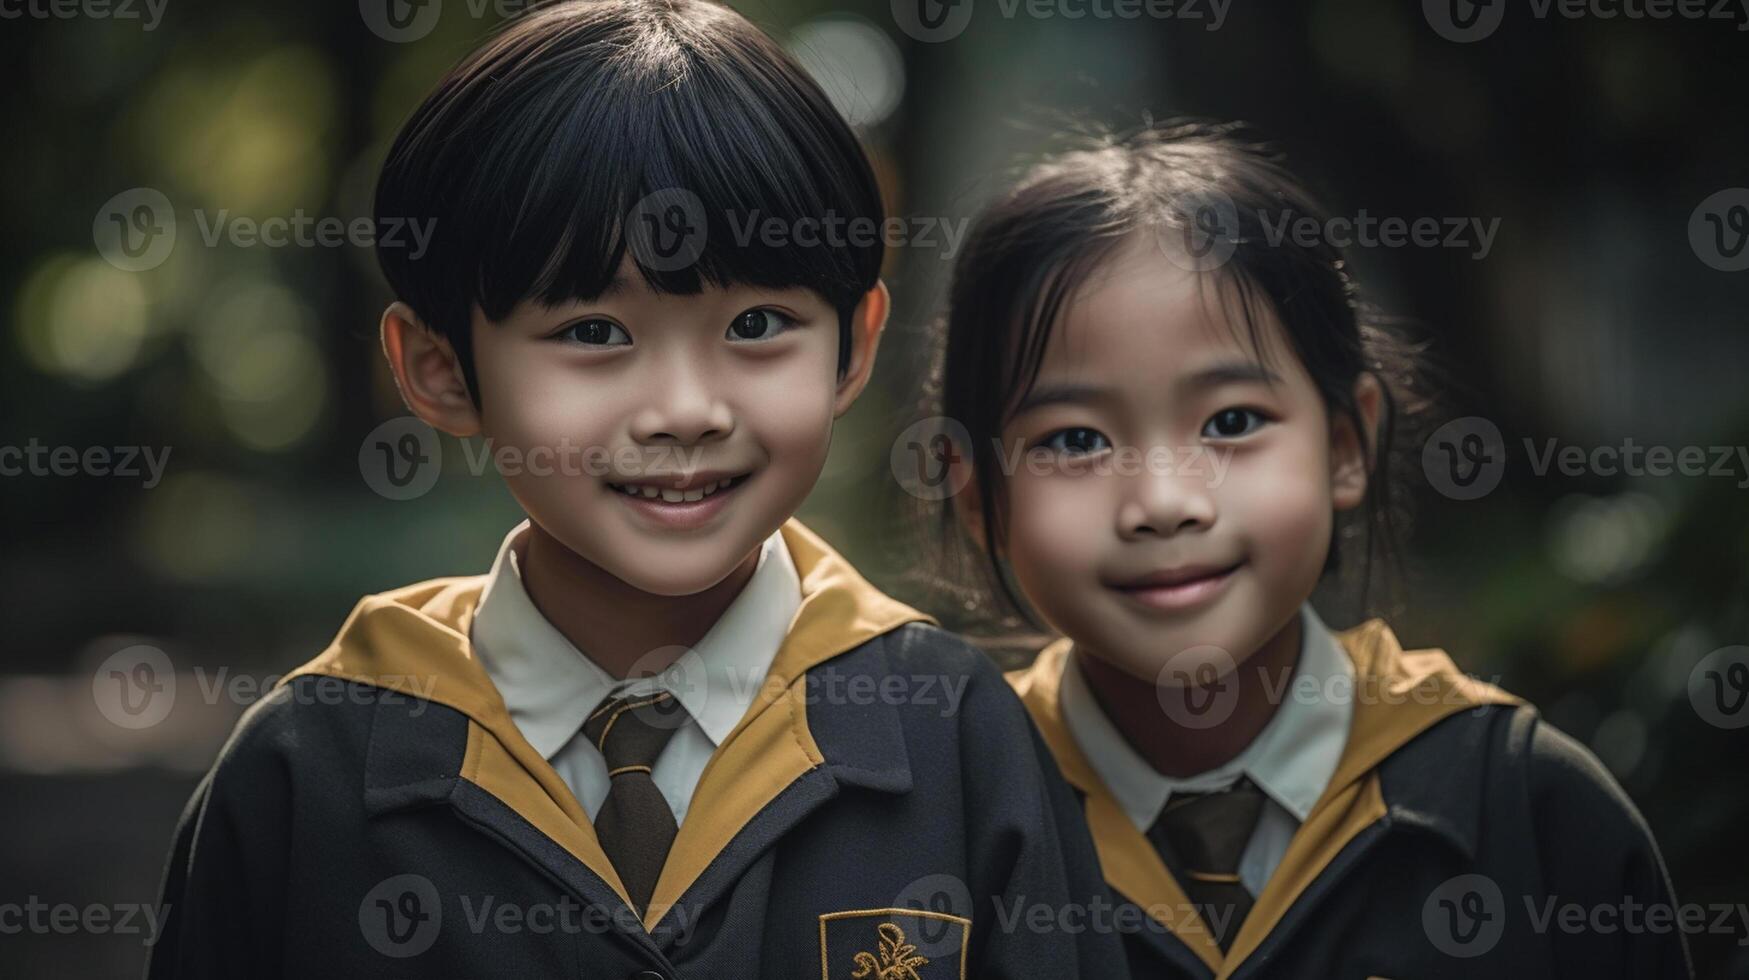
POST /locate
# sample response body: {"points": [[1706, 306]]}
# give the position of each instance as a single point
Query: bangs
{"points": [[697, 196], [675, 133]]}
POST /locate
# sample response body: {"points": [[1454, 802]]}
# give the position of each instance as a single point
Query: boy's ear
{"points": [[1352, 453], [866, 325], [428, 373]]}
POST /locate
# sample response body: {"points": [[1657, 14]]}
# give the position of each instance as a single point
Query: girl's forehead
{"points": [[1141, 314]]}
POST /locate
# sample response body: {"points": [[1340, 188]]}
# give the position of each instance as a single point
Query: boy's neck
{"points": [[617, 625], [1177, 751]]}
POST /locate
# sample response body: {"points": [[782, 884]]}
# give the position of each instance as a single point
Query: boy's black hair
{"points": [[1033, 248], [538, 153]]}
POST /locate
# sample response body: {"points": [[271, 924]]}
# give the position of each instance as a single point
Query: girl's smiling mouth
{"points": [[1178, 589]]}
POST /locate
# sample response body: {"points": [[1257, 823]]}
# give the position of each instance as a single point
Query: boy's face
{"points": [[663, 437], [1184, 508]]}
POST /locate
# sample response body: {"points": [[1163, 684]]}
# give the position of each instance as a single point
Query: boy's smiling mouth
{"points": [[682, 501], [681, 488]]}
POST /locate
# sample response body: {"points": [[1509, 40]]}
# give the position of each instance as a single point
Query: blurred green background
{"points": [[1592, 319]]}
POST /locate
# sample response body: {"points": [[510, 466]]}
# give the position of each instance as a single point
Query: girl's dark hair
{"points": [[1033, 248], [533, 155]]}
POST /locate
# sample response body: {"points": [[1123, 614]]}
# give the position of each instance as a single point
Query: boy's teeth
{"points": [[672, 496]]}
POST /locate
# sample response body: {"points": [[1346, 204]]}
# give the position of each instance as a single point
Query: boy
{"points": [[671, 733]]}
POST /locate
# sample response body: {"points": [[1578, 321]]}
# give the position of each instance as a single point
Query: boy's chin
{"points": [[681, 568]]}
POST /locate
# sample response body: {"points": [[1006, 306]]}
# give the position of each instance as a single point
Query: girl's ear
{"points": [[1352, 453], [866, 325], [967, 502], [428, 373]]}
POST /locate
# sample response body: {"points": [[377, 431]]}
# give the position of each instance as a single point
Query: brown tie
{"points": [[1201, 837], [634, 825]]}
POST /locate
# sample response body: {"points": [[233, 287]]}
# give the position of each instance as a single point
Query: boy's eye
{"points": [[1231, 423], [1076, 441], [760, 324], [595, 333]]}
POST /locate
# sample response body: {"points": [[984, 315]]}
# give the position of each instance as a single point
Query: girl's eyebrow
{"points": [[1232, 372], [1060, 394]]}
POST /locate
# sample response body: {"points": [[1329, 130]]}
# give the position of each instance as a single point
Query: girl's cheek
{"points": [[1280, 501], [1055, 524]]}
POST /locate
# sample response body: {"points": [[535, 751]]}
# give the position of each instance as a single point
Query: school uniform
{"points": [[1409, 821], [882, 797]]}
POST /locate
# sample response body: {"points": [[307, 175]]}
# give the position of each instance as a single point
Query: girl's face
{"points": [[1174, 501]]}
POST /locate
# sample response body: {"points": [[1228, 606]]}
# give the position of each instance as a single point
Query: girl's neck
{"points": [[1179, 751]]}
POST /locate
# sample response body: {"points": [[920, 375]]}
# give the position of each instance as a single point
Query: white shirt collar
{"points": [[1291, 760], [549, 686]]}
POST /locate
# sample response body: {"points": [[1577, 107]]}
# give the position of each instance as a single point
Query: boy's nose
{"points": [[684, 411]]}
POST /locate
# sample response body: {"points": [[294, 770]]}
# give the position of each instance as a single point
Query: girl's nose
{"points": [[1164, 504]]}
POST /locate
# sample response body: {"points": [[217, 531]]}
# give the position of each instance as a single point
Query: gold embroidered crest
{"points": [[889, 951], [898, 959]]}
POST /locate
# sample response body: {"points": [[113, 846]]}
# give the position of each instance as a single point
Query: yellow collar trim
{"points": [[1398, 695], [415, 640]]}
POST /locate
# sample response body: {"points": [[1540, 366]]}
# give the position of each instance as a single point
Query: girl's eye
{"points": [[595, 333], [760, 324], [1231, 423], [1076, 441]]}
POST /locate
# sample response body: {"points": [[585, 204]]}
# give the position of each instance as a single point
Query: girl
{"points": [[1174, 406]]}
